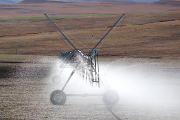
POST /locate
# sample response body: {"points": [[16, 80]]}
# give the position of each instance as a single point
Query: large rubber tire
{"points": [[58, 97], [110, 97]]}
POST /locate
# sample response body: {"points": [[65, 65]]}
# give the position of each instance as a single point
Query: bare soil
{"points": [[148, 30], [27, 97]]}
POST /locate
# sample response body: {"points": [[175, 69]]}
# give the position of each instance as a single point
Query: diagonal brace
{"points": [[60, 31], [106, 34], [70, 77]]}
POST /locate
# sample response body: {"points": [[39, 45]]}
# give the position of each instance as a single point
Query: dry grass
{"points": [[154, 35], [151, 35], [139, 34], [87, 7]]}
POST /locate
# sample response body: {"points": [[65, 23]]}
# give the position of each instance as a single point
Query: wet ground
{"points": [[148, 89]]}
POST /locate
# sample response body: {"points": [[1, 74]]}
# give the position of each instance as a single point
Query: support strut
{"points": [[106, 34], [70, 77], [60, 31]]}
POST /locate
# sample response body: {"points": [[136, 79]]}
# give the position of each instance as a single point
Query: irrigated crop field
{"points": [[148, 86], [148, 89]]}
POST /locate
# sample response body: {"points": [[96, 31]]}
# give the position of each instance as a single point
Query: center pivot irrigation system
{"points": [[88, 64]]}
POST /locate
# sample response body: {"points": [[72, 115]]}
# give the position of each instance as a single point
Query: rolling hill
{"points": [[43, 1], [9, 1]]}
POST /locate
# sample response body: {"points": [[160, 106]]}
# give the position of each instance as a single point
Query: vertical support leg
{"points": [[68, 79], [70, 76]]}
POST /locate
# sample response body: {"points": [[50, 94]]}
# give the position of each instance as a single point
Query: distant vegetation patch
{"points": [[51, 16], [130, 24], [15, 55], [20, 18]]}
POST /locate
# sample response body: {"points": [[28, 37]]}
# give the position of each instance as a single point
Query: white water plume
{"points": [[77, 84], [153, 84], [146, 82]]}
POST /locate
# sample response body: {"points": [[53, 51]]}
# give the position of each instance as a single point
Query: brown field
{"points": [[87, 7], [154, 35], [148, 30], [142, 34]]}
